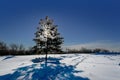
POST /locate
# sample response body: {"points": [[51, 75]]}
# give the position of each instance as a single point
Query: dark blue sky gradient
{"points": [[79, 21]]}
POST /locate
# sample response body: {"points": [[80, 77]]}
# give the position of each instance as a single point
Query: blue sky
{"points": [[79, 21]]}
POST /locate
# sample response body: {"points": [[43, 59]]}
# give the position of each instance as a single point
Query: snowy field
{"points": [[60, 67]]}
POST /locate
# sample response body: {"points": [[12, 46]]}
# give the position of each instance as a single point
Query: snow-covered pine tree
{"points": [[47, 38]]}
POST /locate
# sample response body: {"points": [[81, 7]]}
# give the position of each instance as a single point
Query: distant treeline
{"points": [[89, 51], [85, 50], [19, 49], [13, 49]]}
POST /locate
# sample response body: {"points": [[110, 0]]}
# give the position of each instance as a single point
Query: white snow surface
{"points": [[60, 67]]}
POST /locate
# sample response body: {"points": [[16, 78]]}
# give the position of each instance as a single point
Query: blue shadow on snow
{"points": [[53, 71], [8, 57]]}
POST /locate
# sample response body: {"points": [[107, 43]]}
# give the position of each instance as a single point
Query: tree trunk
{"points": [[46, 51]]}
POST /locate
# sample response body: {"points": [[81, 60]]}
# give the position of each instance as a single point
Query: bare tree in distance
{"points": [[3, 46]]}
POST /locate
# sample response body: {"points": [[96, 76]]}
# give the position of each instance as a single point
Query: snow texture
{"points": [[60, 67]]}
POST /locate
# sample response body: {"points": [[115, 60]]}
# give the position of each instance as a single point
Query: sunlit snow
{"points": [[60, 67]]}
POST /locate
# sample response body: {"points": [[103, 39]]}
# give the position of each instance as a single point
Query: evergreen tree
{"points": [[47, 38]]}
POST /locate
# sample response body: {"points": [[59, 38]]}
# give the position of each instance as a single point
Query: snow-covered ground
{"points": [[60, 67]]}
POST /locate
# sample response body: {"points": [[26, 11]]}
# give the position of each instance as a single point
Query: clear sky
{"points": [[79, 21]]}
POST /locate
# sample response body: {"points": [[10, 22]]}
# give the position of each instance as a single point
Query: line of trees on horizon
{"points": [[13, 49], [86, 50], [19, 49]]}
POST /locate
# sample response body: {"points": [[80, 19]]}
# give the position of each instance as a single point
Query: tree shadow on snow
{"points": [[8, 57], [53, 71]]}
